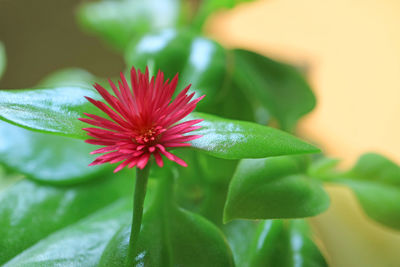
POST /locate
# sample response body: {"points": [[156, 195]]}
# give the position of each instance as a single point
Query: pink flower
{"points": [[142, 121]]}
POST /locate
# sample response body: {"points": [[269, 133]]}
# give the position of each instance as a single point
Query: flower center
{"points": [[149, 136]]}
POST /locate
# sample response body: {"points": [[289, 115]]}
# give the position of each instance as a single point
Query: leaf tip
{"points": [[311, 149]]}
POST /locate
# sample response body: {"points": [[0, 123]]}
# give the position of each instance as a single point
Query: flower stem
{"points": [[138, 200]]}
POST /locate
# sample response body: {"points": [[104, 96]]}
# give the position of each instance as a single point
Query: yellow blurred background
{"points": [[352, 51]]}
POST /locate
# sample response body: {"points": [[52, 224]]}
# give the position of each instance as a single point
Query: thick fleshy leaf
{"points": [[279, 87], [375, 167], [202, 186], [118, 21], [80, 244], [30, 212], [375, 181], [45, 157], [3, 59], [171, 236], [226, 105], [273, 188], [68, 77], [206, 69], [57, 111], [199, 61], [207, 7], [230, 139], [240, 234], [52, 110], [284, 243], [166, 50], [273, 243]]}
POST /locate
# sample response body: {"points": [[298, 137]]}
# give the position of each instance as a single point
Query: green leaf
{"points": [[206, 69], [230, 139], [240, 234], [166, 50], [199, 61], [375, 181], [3, 59], [273, 188], [284, 243], [207, 7], [57, 111], [171, 236], [80, 244], [279, 87], [374, 167], [68, 77], [45, 157], [273, 243], [202, 186], [227, 105], [118, 21], [323, 168], [379, 201], [51, 110], [30, 212]]}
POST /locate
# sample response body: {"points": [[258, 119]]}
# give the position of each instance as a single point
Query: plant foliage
{"points": [[57, 211]]}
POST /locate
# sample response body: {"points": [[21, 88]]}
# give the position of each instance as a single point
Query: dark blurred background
{"points": [[41, 36]]}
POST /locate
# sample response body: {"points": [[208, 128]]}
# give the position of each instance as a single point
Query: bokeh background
{"points": [[350, 49]]}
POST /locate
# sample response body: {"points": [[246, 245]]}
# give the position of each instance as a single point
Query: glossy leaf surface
{"points": [[273, 188], [279, 87], [120, 21], [232, 139], [29, 211], [273, 243], [80, 244], [171, 236], [240, 234], [166, 50], [52, 110], [3, 59], [375, 181], [284, 243], [45, 157], [198, 60], [57, 111]]}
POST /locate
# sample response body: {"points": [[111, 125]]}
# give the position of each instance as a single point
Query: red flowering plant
{"points": [[236, 185], [144, 121]]}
